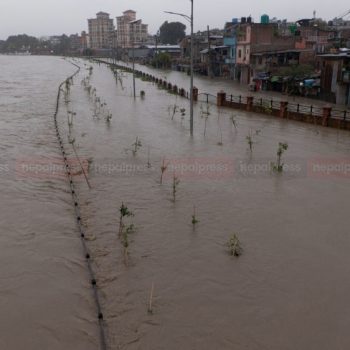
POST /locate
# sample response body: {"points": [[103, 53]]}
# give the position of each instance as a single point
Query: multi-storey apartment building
{"points": [[101, 31], [131, 32]]}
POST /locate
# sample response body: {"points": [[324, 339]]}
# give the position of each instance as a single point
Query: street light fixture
{"points": [[190, 20]]}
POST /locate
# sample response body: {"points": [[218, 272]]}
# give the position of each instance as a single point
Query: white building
{"points": [[101, 31], [131, 31]]}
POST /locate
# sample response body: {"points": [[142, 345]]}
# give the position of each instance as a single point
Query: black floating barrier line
{"points": [[87, 255]]}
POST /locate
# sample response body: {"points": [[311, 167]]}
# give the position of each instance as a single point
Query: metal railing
{"points": [[207, 98]]}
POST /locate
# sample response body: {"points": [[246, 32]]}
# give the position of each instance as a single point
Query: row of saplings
{"points": [[234, 245], [126, 227]]}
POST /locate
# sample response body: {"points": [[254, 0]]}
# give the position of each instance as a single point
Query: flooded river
{"points": [[289, 288]]}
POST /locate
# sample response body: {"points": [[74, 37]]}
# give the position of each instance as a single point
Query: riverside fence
{"points": [[326, 116]]}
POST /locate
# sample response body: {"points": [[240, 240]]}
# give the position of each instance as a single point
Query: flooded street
{"points": [[289, 288]]}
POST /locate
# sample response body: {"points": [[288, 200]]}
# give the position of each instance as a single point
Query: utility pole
{"points": [[191, 92], [132, 24], [190, 20], [156, 51], [209, 53]]}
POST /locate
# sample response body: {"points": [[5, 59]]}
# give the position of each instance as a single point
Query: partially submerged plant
{"points": [[150, 303], [250, 141], [66, 90], [233, 120], [125, 230], [172, 109], [70, 116], [175, 184], [204, 112], [124, 213], [89, 163], [108, 117], [234, 246], [194, 217], [163, 168], [149, 157], [282, 147], [205, 124], [220, 143], [137, 145], [267, 108]]}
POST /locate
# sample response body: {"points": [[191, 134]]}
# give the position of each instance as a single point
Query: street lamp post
{"points": [[133, 53], [190, 20], [156, 51], [133, 67]]}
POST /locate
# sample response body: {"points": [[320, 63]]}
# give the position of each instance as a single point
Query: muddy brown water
{"points": [[288, 290]]}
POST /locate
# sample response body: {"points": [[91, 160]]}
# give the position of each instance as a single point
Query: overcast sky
{"points": [[50, 17]]}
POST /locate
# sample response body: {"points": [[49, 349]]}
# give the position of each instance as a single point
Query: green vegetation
{"points": [[175, 185], [163, 168], [171, 32], [250, 141], [136, 146], [150, 303], [125, 229], [282, 147], [234, 246], [233, 120], [194, 217], [161, 60]]}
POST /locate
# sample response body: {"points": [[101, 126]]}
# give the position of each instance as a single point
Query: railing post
{"points": [[221, 98], [195, 93], [250, 100], [283, 109], [327, 111]]}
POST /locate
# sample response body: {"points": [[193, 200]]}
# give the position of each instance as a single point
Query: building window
{"points": [[239, 53]]}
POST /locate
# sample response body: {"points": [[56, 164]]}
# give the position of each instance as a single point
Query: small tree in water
{"points": [[234, 246], [282, 147]]}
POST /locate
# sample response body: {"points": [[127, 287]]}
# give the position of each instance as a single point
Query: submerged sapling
{"points": [[233, 120], [124, 212], [163, 168], [234, 246], [282, 147], [149, 157], [204, 113], [176, 183], [250, 142], [137, 145], [125, 230], [194, 218], [150, 303], [220, 143]]}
